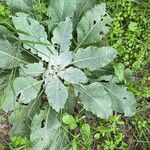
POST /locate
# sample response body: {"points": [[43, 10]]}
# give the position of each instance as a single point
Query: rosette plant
{"points": [[56, 64]]}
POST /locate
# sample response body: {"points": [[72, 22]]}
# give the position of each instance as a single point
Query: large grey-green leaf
{"points": [[46, 132], [82, 7], [93, 25], [26, 89], [22, 117], [33, 70], [24, 5], [17, 119], [122, 100], [58, 10], [94, 58], [3, 83], [6, 34], [33, 35], [73, 75], [95, 99], [62, 35], [56, 92], [9, 56], [8, 99], [18, 4], [29, 28]]}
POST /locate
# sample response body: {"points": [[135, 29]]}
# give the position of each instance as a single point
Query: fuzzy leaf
{"points": [[94, 58], [19, 4], [44, 52], [73, 75], [83, 6], [17, 119], [95, 99], [9, 57], [33, 70], [59, 10], [3, 83], [33, 35], [46, 132], [6, 34], [22, 117], [56, 92], [29, 28], [93, 25], [122, 100], [62, 60], [26, 89], [63, 34], [8, 100]]}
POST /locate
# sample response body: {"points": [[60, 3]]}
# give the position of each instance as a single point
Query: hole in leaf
{"points": [[101, 33], [25, 67], [124, 98], [107, 25], [28, 21], [102, 19], [24, 104], [57, 46], [94, 22], [105, 15], [18, 97], [104, 81], [43, 123]]}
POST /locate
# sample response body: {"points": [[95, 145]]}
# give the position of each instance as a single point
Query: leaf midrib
{"points": [[104, 110]]}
